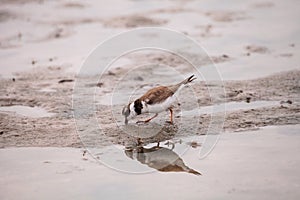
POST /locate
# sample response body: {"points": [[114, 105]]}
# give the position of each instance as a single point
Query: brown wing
{"points": [[157, 95]]}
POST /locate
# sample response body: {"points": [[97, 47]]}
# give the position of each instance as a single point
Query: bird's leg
{"points": [[171, 116], [147, 120]]}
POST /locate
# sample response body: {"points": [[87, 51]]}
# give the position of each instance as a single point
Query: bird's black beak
{"points": [[126, 112]]}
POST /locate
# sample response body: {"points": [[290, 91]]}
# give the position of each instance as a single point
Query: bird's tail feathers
{"points": [[174, 88], [188, 80], [192, 171]]}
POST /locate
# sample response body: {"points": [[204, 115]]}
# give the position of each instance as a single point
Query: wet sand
{"points": [[281, 90]]}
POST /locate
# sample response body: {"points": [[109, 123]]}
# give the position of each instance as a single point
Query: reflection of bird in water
{"points": [[160, 158]]}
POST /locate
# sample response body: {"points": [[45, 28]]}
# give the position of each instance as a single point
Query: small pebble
{"points": [[289, 102], [194, 144], [111, 73], [248, 99], [138, 78], [65, 80], [99, 84]]}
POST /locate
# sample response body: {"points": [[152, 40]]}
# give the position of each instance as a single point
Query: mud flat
{"points": [[45, 89]]}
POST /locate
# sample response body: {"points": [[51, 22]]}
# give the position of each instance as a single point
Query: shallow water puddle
{"points": [[164, 157], [236, 167], [47, 90], [229, 107], [34, 112]]}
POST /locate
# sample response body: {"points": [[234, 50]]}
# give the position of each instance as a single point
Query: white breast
{"points": [[159, 107]]}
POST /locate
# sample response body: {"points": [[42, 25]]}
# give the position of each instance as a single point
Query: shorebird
{"points": [[155, 100]]}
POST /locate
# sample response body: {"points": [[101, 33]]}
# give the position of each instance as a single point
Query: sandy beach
{"points": [[47, 152]]}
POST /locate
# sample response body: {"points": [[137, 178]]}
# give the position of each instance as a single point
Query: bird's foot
{"points": [[147, 120], [143, 122], [169, 122]]}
